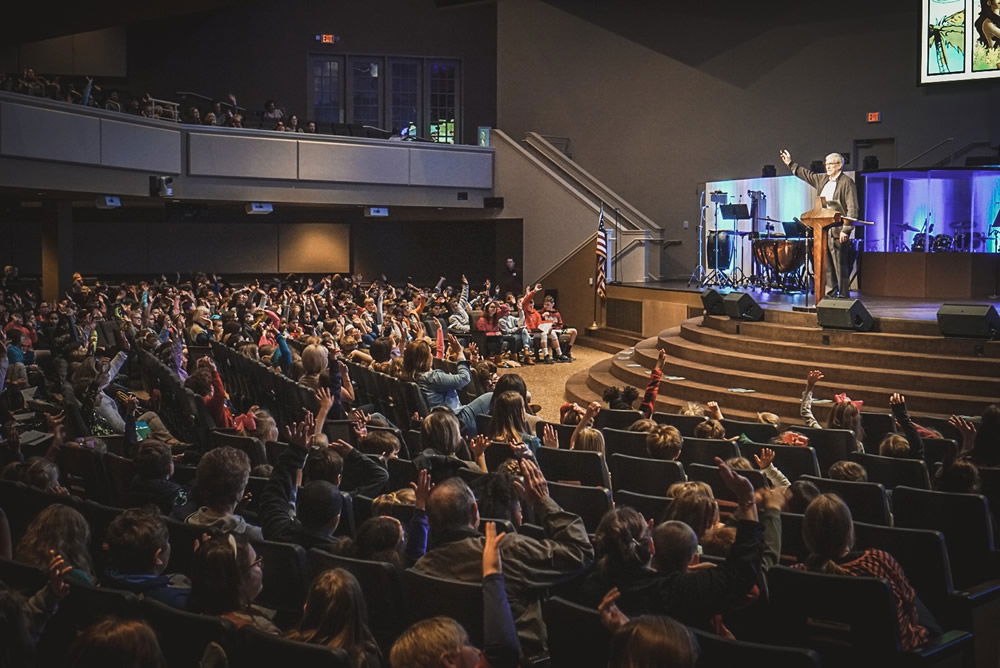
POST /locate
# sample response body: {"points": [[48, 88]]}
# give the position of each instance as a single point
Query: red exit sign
{"points": [[874, 116]]}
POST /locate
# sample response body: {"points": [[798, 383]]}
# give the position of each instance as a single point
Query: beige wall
{"points": [[314, 248]]}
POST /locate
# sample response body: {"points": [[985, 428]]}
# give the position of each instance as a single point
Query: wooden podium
{"points": [[818, 220]]}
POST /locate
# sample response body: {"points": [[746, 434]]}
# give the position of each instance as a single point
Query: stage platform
{"points": [[879, 307]]}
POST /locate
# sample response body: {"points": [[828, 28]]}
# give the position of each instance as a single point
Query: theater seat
{"points": [[643, 475], [622, 442], [575, 634], [257, 648], [184, 635], [429, 596], [720, 652]]}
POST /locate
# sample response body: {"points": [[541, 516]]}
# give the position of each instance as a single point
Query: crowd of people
{"points": [[74, 366]]}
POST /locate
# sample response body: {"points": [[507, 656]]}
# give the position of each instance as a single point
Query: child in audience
{"points": [[710, 428], [663, 441], [828, 532], [510, 421], [584, 436], [958, 475], [845, 414], [800, 494], [220, 480], [154, 466], [620, 399], [129, 643], [58, 529], [652, 641], [847, 470], [22, 620], [138, 551], [226, 578], [335, 616], [643, 424]]}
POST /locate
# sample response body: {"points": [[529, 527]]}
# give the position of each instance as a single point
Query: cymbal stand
{"points": [[698, 274], [718, 276]]}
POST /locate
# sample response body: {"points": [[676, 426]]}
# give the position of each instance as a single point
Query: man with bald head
{"points": [[529, 565], [839, 192]]}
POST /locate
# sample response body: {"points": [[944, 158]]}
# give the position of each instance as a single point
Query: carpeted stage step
{"points": [[939, 376], [608, 339]]}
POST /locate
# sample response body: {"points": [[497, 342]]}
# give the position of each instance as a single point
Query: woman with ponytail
{"points": [[828, 532]]}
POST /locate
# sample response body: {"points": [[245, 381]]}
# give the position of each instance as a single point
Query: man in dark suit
{"points": [[838, 192]]}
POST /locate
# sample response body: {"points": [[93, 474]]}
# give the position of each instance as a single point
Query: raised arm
{"points": [[648, 405], [500, 643], [805, 408], [593, 408], [897, 402]]}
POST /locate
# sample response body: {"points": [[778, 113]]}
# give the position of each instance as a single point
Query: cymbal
{"points": [[907, 227], [770, 220], [963, 224]]}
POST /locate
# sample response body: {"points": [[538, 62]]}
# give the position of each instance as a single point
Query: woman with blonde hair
{"points": [[439, 387]]}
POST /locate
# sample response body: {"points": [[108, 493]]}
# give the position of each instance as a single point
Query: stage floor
{"points": [[880, 307]]}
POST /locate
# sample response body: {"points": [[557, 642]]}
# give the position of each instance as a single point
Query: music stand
{"points": [[736, 213]]}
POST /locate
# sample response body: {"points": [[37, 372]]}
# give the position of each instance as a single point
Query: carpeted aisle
{"points": [[547, 382]]}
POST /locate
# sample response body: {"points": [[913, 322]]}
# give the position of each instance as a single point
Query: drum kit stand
{"points": [[777, 262], [925, 241]]}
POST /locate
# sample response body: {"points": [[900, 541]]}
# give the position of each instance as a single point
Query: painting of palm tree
{"points": [[945, 39]]}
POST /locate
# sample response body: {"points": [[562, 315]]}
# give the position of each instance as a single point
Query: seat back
{"points": [[22, 577], [792, 460], [257, 648], [590, 503], [719, 651], [989, 477], [792, 543], [867, 500], [838, 615], [120, 472], [401, 473], [253, 447], [580, 466], [652, 507], [563, 431], [643, 475], [414, 399], [705, 450], [761, 432], [937, 450], [286, 575], [182, 539], [576, 636], [876, 427], [620, 441], [922, 554], [497, 453], [684, 423], [184, 635], [383, 589], [83, 606], [429, 596], [22, 503], [99, 516], [939, 424], [82, 472], [710, 475], [831, 445], [894, 471], [616, 418], [967, 525]]}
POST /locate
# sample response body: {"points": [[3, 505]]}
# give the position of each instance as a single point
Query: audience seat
{"points": [[576, 636], [967, 525], [793, 460], [253, 447], [643, 475], [182, 540], [616, 418], [792, 543], [590, 503], [831, 445], [286, 576], [579, 466], [937, 450], [989, 476], [761, 432], [497, 453], [620, 441], [684, 423], [705, 450], [401, 473], [876, 426], [83, 606], [184, 635], [850, 621], [428, 596], [382, 586], [120, 471], [720, 652], [22, 503], [81, 471], [894, 471], [867, 500], [257, 648], [710, 475], [22, 577], [563, 431], [652, 507]]}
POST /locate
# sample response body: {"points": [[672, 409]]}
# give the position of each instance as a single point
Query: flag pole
{"points": [[600, 220]]}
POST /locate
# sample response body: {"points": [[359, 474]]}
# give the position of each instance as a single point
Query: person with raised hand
{"points": [[648, 405], [530, 564], [765, 462], [913, 447], [500, 644]]}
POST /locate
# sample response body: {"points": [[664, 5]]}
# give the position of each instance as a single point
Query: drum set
{"points": [[925, 241]]}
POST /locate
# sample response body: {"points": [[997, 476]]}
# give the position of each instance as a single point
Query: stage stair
{"points": [[938, 376]]}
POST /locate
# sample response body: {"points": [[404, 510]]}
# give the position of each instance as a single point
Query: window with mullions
{"points": [[366, 91], [325, 90], [442, 81], [405, 95]]}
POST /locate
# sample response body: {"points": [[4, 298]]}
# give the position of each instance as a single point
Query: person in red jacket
{"points": [[551, 314], [536, 325]]}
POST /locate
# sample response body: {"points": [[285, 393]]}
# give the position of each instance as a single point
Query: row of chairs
{"points": [[183, 636], [183, 412], [396, 399]]}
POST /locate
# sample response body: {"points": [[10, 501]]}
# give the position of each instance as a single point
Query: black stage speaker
{"points": [[968, 320], [844, 314], [711, 300], [741, 306]]}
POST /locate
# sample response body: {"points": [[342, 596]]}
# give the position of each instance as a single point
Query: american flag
{"points": [[602, 257]]}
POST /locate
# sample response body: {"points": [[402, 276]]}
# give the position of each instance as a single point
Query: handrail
{"points": [[962, 151], [235, 107], [635, 218], [571, 187], [920, 155]]}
